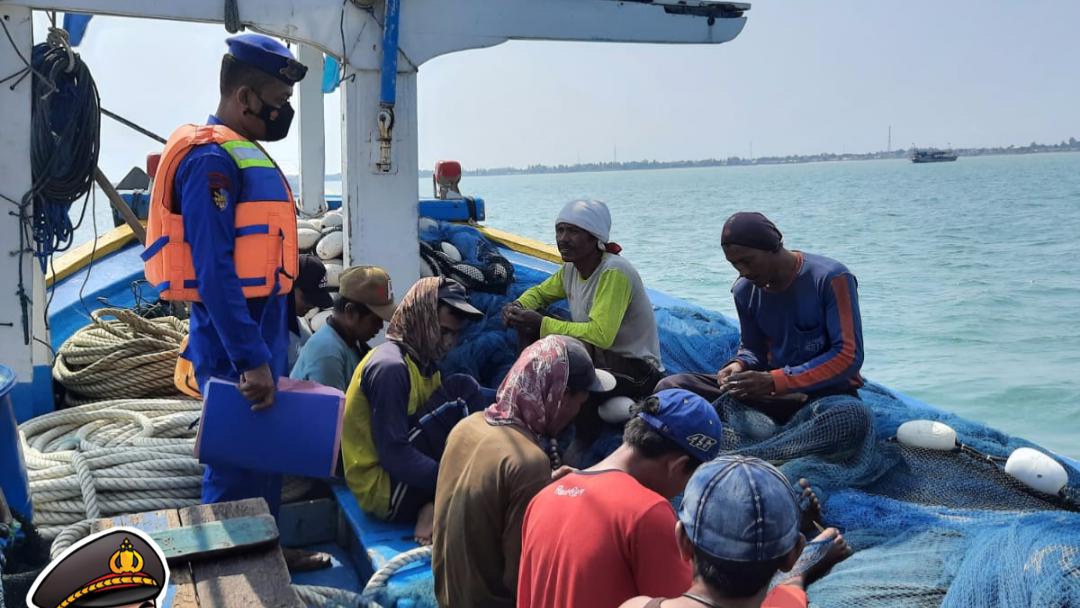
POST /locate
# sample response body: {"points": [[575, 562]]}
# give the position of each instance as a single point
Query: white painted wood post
{"points": [[380, 208], [312, 133], [15, 180]]}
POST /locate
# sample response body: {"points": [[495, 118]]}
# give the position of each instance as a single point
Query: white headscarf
{"points": [[592, 217]]}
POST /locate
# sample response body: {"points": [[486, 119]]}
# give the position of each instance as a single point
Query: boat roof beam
{"points": [[430, 28]]}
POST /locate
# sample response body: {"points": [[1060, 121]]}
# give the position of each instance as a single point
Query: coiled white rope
{"points": [[127, 357], [331, 597], [114, 457], [111, 457]]}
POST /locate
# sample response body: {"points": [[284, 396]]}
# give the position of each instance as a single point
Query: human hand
{"points": [[724, 374], [561, 472], [508, 310], [526, 320], [750, 385], [257, 386]]}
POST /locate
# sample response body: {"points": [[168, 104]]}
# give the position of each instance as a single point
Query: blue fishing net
{"points": [[929, 528]]}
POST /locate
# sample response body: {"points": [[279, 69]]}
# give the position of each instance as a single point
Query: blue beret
{"points": [[268, 55]]}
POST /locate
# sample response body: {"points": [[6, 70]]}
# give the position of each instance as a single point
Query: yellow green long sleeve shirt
{"points": [[610, 309]]}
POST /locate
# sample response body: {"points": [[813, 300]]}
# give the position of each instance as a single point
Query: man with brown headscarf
{"points": [[495, 462], [399, 410]]}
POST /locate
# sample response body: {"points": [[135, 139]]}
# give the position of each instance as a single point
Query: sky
{"points": [[803, 77]]}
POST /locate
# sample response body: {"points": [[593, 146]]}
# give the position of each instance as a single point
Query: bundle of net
{"points": [[930, 528]]}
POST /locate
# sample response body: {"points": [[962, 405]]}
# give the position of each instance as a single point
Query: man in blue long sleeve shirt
{"points": [[801, 332], [237, 213]]}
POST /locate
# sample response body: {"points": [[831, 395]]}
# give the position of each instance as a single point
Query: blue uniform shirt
{"points": [[809, 336], [229, 334]]}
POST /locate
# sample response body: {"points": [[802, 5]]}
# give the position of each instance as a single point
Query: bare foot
{"points": [[425, 524], [300, 560], [838, 551], [811, 517]]}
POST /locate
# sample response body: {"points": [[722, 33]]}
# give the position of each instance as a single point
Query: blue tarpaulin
{"points": [[331, 74], [75, 24]]}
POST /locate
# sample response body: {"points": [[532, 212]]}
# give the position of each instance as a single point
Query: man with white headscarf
{"points": [[609, 308]]}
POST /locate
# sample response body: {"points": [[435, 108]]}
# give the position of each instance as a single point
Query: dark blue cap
{"points": [[268, 55], [740, 509], [688, 420], [751, 229]]}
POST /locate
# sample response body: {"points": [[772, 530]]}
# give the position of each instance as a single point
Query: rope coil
{"points": [[128, 357], [112, 458]]}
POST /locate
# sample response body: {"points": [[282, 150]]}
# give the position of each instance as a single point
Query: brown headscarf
{"points": [[531, 396], [415, 324]]}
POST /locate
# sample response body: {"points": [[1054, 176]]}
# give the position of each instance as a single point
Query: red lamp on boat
{"points": [[446, 179]]}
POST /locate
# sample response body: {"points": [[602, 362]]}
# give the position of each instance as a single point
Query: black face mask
{"points": [[276, 129]]}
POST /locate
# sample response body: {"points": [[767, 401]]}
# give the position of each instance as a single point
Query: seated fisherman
{"points": [[495, 462], [801, 333], [609, 308], [309, 292], [364, 301], [604, 535], [399, 410], [739, 524]]}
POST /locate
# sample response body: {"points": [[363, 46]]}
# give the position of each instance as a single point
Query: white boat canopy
{"points": [[380, 188]]}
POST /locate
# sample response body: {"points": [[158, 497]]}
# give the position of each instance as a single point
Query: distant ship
{"points": [[932, 155]]}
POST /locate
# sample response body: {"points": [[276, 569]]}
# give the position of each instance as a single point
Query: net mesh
{"points": [[929, 528]]}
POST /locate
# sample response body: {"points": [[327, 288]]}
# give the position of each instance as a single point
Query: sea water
{"points": [[969, 272]]}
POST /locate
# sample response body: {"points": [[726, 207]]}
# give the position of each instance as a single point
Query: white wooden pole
{"points": [[16, 351], [312, 133], [380, 208]]}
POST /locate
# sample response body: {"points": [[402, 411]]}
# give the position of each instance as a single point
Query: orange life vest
{"points": [[265, 252]]}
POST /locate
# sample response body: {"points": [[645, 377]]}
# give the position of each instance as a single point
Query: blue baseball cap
{"points": [[688, 420], [740, 509], [267, 55]]}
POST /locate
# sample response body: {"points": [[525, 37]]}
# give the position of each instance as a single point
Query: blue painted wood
{"points": [[216, 537], [110, 278], [378, 542]]}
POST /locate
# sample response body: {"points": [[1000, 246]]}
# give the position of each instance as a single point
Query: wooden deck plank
{"points": [[258, 578], [217, 538], [181, 592]]}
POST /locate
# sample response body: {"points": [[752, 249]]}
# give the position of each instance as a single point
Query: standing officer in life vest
{"points": [[222, 235]]}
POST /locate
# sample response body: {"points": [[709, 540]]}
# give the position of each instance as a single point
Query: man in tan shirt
{"points": [[495, 462]]}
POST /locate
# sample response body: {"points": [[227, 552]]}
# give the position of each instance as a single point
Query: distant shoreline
{"points": [[1071, 145]]}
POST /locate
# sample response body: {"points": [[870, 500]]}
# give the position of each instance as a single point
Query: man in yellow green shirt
{"points": [[609, 308]]}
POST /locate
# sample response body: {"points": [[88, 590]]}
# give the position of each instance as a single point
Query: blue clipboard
{"points": [[300, 434]]}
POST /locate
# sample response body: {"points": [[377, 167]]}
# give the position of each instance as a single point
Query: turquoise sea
{"points": [[969, 272]]}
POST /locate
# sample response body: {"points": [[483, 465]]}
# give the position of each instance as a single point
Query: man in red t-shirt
{"points": [[601, 536]]}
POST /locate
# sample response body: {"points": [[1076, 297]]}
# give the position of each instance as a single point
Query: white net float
{"points": [[1037, 471], [334, 268], [451, 251], [306, 238], [331, 246], [616, 410], [332, 219], [927, 434]]}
